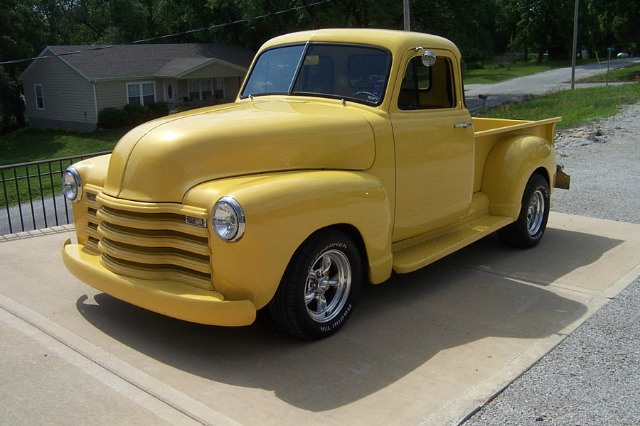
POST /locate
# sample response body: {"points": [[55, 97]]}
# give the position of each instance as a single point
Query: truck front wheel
{"points": [[529, 228], [315, 296]]}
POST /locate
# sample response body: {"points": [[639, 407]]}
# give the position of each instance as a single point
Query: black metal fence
{"points": [[31, 195]]}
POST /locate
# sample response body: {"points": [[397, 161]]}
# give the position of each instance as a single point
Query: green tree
{"points": [[65, 25], [468, 23], [542, 26], [130, 20], [479, 27], [618, 23], [23, 33], [11, 104]]}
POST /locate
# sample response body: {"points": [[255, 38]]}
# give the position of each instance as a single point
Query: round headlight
{"points": [[227, 219], [71, 184]]}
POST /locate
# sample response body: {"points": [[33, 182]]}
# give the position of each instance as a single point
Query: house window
{"points": [[200, 89], [141, 93], [194, 90], [206, 89], [39, 96], [219, 88]]}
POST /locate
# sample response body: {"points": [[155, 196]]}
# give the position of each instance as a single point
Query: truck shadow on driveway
{"points": [[410, 323]]}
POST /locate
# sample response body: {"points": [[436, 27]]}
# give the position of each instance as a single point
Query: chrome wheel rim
{"points": [[535, 212], [328, 285]]}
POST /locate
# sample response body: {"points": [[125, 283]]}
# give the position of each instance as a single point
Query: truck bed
{"points": [[491, 126], [488, 131]]}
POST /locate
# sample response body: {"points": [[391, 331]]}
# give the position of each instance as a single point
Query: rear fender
{"points": [[509, 165]]}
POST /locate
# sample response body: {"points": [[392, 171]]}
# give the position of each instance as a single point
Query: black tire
{"points": [[315, 296], [528, 229]]}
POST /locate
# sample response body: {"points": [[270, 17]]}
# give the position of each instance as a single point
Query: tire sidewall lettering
{"points": [[337, 323], [347, 309], [337, 245]]}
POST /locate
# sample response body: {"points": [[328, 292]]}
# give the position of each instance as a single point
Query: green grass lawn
{"points": [[26, 145], [627, 74], [576, 107]]}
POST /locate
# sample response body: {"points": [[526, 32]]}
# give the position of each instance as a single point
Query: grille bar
{"points": [[157, 272], [155, 238], [151, 221], [149, 241], [156, 256]]}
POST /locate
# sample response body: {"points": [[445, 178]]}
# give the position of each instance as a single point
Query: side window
{"points": [[427, 88], [133, 93], [39, 96]]}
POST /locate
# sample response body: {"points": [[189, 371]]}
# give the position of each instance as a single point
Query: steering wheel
{"points": [[367, 96]]}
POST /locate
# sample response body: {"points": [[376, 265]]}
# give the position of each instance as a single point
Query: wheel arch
{"points": [[544, 173], [529, 227], [510, 164], [352, 232]]}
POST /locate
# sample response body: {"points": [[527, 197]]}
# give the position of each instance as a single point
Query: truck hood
{"points": [[161, 160]]}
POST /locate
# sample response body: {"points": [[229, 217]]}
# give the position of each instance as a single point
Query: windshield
{"points": [[341, 71]]}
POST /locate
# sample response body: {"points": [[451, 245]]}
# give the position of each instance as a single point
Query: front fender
{"points": [[282, 210], [509, 165]]}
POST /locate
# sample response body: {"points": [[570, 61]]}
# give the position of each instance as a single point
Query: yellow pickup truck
{"points": [[347, 155]]}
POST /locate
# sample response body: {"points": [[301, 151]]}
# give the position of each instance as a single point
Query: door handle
{"points": [[463, 125]]}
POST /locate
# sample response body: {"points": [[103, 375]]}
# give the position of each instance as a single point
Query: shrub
{"points": [[112, 118], [130, 115], [158, 109], [135, 113]]}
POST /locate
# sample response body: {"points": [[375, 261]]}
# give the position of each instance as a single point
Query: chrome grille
{"points": [[150, 240]]}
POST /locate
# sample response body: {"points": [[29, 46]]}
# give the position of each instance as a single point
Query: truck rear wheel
{"points": [[315, 296], [529, 228]]}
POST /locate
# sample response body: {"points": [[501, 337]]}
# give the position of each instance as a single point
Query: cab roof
{"points": [[393, 40]]}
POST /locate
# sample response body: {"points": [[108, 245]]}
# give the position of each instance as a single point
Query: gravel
{"points": [[593, 376], [603, 159]]}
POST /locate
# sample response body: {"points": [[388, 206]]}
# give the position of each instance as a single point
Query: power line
{"points": [[181, 33], [239, 21], [75, 52]]}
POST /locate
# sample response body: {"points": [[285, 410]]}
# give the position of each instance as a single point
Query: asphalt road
{"points": [[535, 84], [44, 213]]}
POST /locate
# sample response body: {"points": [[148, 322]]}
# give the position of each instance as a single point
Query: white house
{"points": [[67, 86]]}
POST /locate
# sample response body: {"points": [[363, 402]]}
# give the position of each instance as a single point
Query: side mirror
{"points": [[428, 58]]}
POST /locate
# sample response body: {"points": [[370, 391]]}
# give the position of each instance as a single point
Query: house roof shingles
{"points": [[146, 60]]}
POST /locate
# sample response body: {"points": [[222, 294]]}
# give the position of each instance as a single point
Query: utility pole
{"points": [[575, 45], [407, 15]]}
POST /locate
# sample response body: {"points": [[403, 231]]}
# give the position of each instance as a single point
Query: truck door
{"points": [[434, 145]]}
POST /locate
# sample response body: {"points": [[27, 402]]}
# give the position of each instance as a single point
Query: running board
{"points": [[410, 257]]}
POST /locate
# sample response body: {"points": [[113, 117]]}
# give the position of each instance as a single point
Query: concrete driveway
{"points": [[424, 348]]}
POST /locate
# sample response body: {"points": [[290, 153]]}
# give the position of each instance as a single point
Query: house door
{"points": [[170, 90]]}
